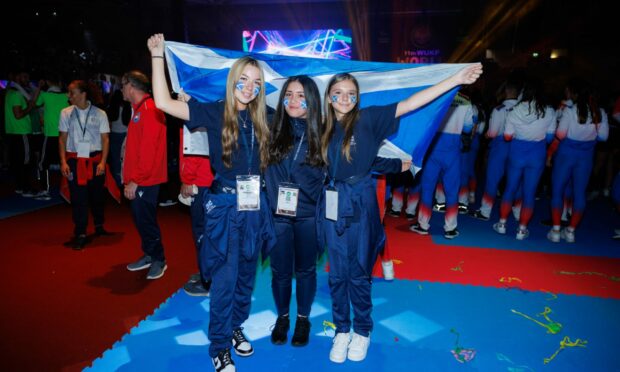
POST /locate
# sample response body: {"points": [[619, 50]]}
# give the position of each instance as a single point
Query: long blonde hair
{"points": [[348, 121], [258, 113]]}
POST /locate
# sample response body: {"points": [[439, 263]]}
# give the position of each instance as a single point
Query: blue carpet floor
{"points": [[417, 326]]}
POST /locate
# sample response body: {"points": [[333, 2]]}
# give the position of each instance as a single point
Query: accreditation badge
{"points": [[248, 193], [83, 149], [331, 205], [288, 195]]}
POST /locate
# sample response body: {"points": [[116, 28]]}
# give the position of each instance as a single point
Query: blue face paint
{"points": [[285, 102], [303, 104], [353, 99], [334, 98], [241, 85]]}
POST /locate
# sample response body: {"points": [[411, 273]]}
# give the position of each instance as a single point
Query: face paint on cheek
{"points": [[353, 99], [285, 102], [256, 91], [334, 98], [303, 104], [240, 85]]}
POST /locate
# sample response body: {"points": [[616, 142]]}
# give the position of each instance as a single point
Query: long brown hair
{"points": [[258, 113], [348, 120]]}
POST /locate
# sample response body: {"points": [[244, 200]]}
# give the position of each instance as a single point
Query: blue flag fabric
{"points": [[201, 72]]}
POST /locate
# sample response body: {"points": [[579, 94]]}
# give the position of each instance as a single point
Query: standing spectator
{"points": [[17, 108], [444, 160], [144, 170], [83, 144], [529, 126], [53, 101], [580, 128], [119, 113], [498, 149]]}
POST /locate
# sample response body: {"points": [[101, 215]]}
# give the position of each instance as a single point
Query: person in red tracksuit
{"points": [[145, 169], [196, 178]]}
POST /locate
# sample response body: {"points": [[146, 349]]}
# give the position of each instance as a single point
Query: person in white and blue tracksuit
{"points": [[238, 220], [444, 159], [579, 129], [498, 149], [294, 179], [348, 220], [529, 127]]}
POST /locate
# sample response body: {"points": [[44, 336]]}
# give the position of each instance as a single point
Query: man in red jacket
{"points": [[145, 169]]}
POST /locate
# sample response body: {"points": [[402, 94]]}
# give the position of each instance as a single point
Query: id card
{"points": [[248, 193], [331, 205], [288, 195], [83, 149]]}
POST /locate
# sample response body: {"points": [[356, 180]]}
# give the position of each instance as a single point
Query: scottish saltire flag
{"points": [[201, 72]]}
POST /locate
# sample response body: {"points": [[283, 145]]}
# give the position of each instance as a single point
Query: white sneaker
{"points": [[358, 347], [388, 270], [568, 235], [554, 235], [338, 353], [522, 234], [500, 227]]}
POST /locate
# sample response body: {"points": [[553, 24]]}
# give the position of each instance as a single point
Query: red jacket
{"points": [[194, 169], [145, 160]]}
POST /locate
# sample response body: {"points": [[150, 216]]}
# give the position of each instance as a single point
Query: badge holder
{"points": [[83, 149], [288, 196], [248, 193], [331, 204]]}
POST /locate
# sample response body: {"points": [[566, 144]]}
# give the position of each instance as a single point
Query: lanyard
{"points": [[245, 146], [292, 163], [334, 166], [83, 127]]}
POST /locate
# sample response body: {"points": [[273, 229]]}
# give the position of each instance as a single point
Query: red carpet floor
{"points": [[63, 308]]}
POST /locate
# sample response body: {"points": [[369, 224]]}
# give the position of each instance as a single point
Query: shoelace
{"points": [[238, 336], [226, 358]]}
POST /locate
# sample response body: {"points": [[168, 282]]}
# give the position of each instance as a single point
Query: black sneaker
{"points": [[302, 331], [418, 229], [451, 234], [241, 345], [410, 217], [223, 362], [100, 231], [79, 242], [196, 288], [477, 214], [439, 207], [463, 209], [394, 213], [280, 330]]}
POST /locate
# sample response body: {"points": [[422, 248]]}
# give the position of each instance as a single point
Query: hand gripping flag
{"points": [[201, 72]]}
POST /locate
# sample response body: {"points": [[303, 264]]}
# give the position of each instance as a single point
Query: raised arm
{"points": [[467, 75], [161, 93]]}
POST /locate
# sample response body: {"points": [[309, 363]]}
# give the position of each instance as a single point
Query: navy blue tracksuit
{"points": [[355, 238], [232, 239], [296, 248]]}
